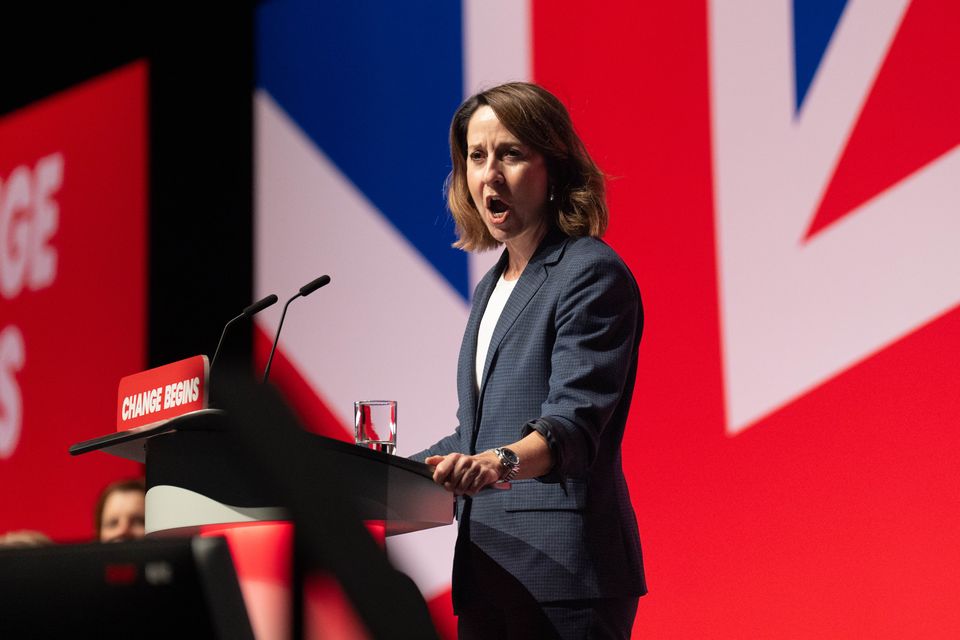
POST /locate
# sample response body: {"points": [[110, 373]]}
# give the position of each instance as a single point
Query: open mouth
{"points": [[497, 207]]}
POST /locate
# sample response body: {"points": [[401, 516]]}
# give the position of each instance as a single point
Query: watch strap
{"points": [[509, 463]]}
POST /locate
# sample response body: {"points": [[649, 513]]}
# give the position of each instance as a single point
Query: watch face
{"points": [[510, 457]]}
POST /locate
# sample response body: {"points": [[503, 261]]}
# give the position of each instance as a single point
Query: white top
{"points": [[498, 300]]}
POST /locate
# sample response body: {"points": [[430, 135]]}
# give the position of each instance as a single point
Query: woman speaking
{"points": [[547, 543]]}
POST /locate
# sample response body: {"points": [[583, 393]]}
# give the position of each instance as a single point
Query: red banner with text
{"points": [[73, 214], [159, 394]]}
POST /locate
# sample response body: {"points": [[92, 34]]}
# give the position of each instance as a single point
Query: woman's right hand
{"points": [[467, 475]]}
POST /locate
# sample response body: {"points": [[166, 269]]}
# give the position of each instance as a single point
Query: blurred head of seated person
{"points": [[120, 511], [24, 538]]}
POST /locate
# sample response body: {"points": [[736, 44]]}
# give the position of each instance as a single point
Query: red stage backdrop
{"points": [[73, 213], [792, 455]]}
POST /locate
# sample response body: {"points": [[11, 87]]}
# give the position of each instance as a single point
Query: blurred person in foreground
{"points": [[25, 538], [119, 514], [547, 543]]}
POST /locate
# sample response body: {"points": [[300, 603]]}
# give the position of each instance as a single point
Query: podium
{"points": [[198, 483], [195, 476]]}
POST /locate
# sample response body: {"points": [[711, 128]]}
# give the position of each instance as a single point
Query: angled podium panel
{"points": [[196, 475]]}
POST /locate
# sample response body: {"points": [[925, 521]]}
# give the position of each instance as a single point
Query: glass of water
{"points": [[375, 424]]}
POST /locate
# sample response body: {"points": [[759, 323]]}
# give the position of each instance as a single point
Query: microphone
{"points": [[260, 305], [304, 291], [249, 312], [313, 285]]}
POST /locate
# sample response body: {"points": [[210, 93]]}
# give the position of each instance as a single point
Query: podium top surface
{"points": [[131, 444]]}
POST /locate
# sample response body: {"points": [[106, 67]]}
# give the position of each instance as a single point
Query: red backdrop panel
{"points": [[836, 515], [73, 213]]}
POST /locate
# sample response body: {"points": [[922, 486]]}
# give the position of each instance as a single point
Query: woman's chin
{"points": [[499, 227]]}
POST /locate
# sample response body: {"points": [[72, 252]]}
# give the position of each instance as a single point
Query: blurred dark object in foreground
{"points": [[143, 589], [328, 536]]}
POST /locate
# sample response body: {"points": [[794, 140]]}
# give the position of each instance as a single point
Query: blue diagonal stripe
{"points": [[814, 22], [374, 84]]}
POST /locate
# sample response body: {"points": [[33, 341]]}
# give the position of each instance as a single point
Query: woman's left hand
{"points": [[467, 475]]}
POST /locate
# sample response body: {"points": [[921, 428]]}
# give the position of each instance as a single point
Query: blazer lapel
{"points": [[533, 276]]}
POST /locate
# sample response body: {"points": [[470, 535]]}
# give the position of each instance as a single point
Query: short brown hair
{"points": [[133, 484], [538, 119]]}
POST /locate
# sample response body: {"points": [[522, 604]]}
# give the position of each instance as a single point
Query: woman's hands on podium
{"points": [[466, 475]]}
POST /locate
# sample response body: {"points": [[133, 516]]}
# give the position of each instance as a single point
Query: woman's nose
{"points": [[492, 173]]}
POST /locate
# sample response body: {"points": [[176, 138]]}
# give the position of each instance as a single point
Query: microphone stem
{"points": [[266, 372], [220, 344]]}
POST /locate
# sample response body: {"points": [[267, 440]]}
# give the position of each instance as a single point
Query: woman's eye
{"points": [[476, 156]]}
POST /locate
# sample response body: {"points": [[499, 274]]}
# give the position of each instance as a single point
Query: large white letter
{"points": [[12, 358], [14, 232], [48, 176]]}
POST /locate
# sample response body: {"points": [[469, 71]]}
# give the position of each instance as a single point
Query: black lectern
{"points": [[196, 476]]}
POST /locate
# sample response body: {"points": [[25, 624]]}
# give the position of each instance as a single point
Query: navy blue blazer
{"points": [[562, 360]]}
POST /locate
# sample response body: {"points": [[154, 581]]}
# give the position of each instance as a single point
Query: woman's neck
{"points": [[521, 249]]}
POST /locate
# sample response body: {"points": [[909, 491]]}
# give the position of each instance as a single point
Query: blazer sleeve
{"points": [[445, 445], [598, 321]]}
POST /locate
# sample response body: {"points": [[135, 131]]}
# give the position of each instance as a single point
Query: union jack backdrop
{"points": [[784, 184]]}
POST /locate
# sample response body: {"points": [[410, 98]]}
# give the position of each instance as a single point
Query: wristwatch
{"points": [[509, 463]]}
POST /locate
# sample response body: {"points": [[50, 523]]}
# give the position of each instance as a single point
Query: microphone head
{"points": [[312, 286], [260, 305]]}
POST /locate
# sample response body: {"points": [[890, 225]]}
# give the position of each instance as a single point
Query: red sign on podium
{"points": [[159, 394]]}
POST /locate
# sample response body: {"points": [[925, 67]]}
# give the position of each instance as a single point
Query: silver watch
{"points": [[509, 463]]}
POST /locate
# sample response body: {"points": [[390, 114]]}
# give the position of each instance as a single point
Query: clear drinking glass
{"points": [[375, 424]]}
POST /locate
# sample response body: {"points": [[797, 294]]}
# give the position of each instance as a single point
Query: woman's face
{"points": [[507, 180], [122, 517]]}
